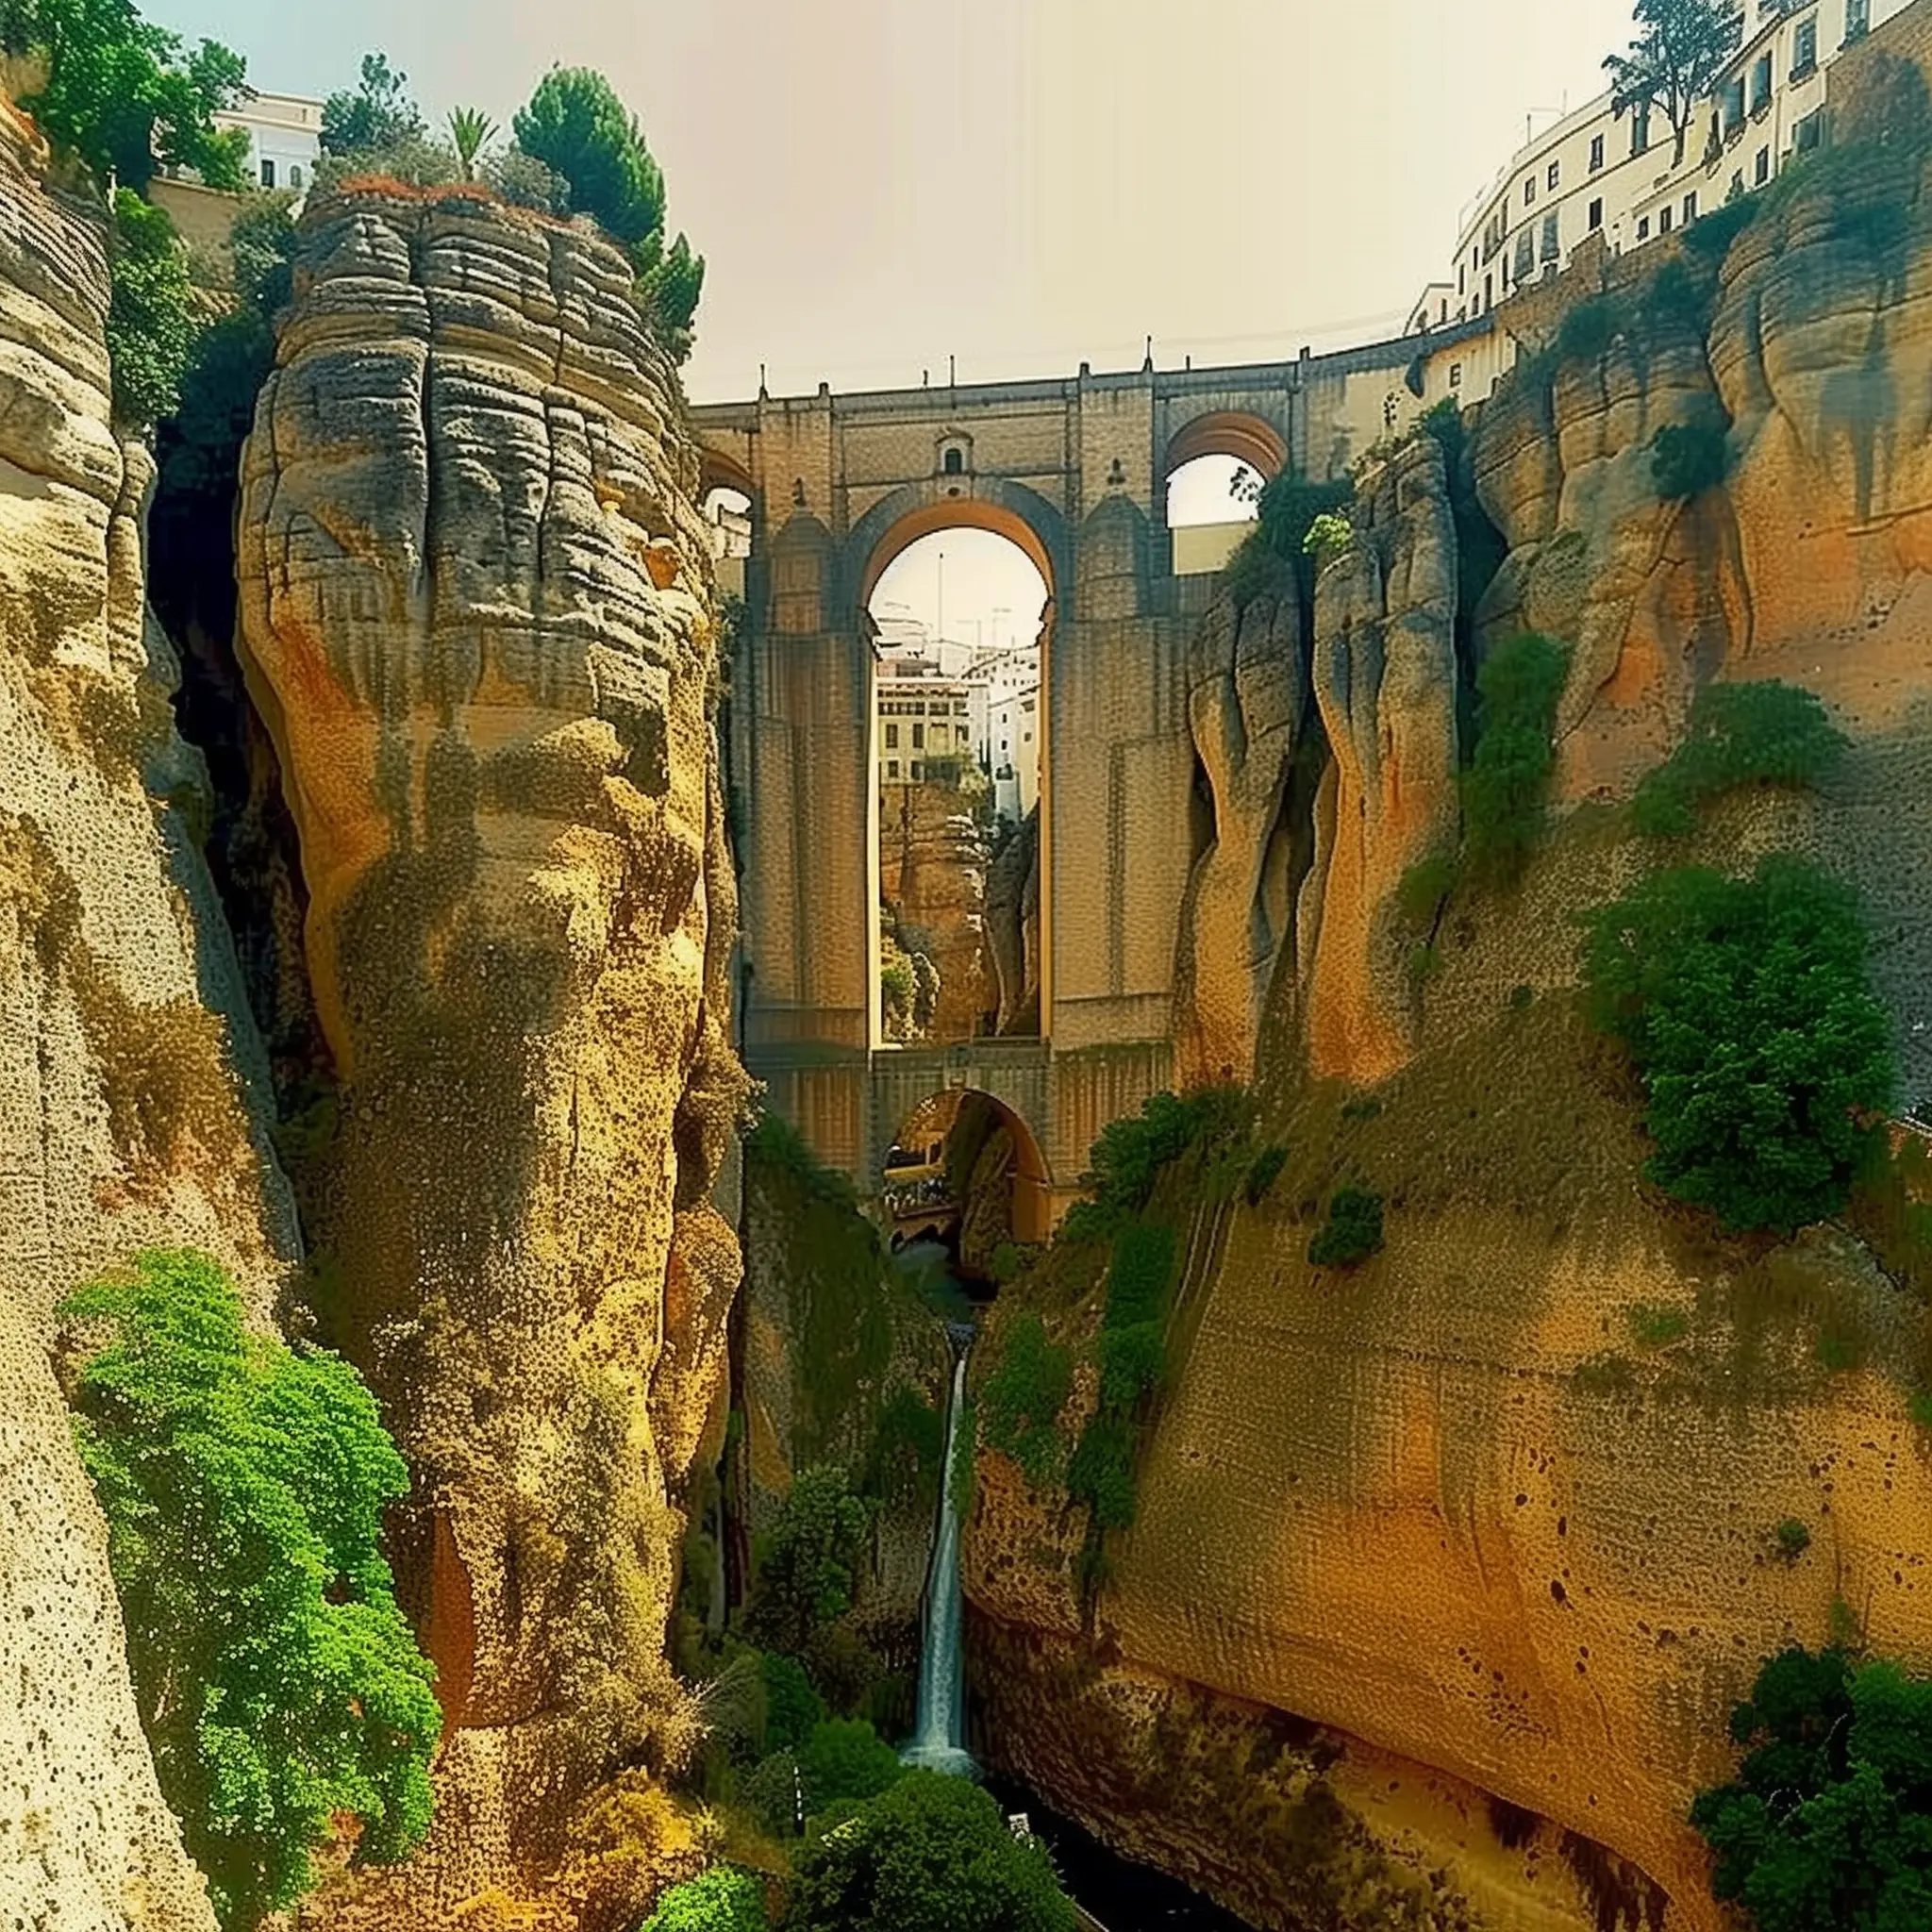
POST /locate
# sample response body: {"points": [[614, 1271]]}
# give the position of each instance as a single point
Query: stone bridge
{"points": [[1074, 471]]}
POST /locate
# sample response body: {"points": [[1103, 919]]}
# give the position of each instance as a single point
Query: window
{"points": [[1461, 279], [1857, 20], [955, 462], [918, 740], [1526, 253], [1456, 376], [1808, 131], [1737, 187], [1734, 105], [1690, 206], [1761, 173], [1664, 218], [1643, 228], [962, 734], [1761, 84], [1804, 48], [918, 771], [1552, 239], [1596, 214], [892, 767], [1529, 192], [1490, 290], [892, 737], [1639, 131], [1596, 152], [268, 172], [1556, 172], [294, 176]]}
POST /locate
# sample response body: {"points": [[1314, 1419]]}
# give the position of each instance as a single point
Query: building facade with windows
{"points": [[284, 138], [1595, 172], [925, 724]]}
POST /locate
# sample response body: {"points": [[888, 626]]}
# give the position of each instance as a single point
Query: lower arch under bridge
{"points": [[1076, 471]]}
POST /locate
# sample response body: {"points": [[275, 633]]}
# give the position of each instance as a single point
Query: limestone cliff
{"points": [[933, 877], [1497, 1537], [477, 612], [123, 1121]]}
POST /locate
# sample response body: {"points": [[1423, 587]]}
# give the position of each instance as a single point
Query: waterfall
{"points": [[939, 1743]]}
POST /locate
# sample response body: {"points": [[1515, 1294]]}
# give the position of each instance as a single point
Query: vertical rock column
{"points": [[476, 610]]}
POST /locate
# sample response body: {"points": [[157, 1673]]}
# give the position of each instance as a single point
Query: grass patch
{"points": [[1657, 1324], [1762, 732]]}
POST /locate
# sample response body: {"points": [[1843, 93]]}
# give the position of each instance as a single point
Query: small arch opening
{"points": [[1213, 479]]}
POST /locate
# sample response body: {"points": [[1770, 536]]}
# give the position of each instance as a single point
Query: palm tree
{"points": [[470, 128]]}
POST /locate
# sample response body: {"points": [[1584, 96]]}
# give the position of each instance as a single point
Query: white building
{"points": [[1594, 171], [1012, 739], [924, 721], [284, 138]]}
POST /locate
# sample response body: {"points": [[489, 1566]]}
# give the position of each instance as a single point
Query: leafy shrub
{"points": [[1764, 731], [523, 181], [792, 1705], [1273, 558], [1587, 330], [1129, 1154], [1657, 1324], [243, 1483], [902, 1469], [1019, 1403], [1688, 458], [1421, 889], [720, 1900], [1328, 536], [1746, 1008], [1503, 789], [1101, 1470], [844, 1759], [1676, 298], [1793, 1539], [1264, 1172], [1828, 1821], [119, 93], [1352, 1231], [810, 1570], [770, 1792], [1521, 998], [932, 1855], [151, 318]]}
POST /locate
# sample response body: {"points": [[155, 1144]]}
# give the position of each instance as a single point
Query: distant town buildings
{"points": [[1594, 172], [925, 723], [284, 138]]}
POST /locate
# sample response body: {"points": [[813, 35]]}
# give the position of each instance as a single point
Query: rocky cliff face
{"points": [[123, 1118], [933, 876], [1500, 1535], [476, 611]]}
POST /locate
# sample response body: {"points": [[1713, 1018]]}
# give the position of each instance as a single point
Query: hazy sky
{"points": [[878, 184]]}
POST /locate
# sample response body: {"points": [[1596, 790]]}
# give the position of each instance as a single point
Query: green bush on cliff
{"points": [[1507, 780], [1021, 1401], [1828, 1821], [1762, 732], [721, 1900], [845, 1760], [1352, 1231], [1746, 1006], [932, 1855], [1687, 459], [151, 317], [243, 1482], [1273, 558], [1129, 1154]]}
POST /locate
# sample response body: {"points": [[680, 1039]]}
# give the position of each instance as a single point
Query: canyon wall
{"points": [[1464, 1551], [129, 1067], [477, 614]]}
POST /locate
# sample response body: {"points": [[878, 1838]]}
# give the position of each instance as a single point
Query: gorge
{"points": [[1397, 1363]]}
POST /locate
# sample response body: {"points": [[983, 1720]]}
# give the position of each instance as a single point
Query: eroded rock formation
{"points": [[1385, 681], [1012, 927], [933, 874], [122, 1119], [477, 606]]}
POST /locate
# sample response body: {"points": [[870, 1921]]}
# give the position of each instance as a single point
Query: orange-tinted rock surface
{"points": [[477, 606]]}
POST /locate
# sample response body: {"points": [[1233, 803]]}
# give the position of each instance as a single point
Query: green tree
{"points": [[1680, 48], [1828, 1821], [1759, 732], [577, 125], [243, 1483], [792, 1705], [469, 129], [1019, 1403], [670, 289], [809, 1572], [1352, 1231], [932, 1855], [379, 113], [151, 326], [1505, 787], [844, 1759], [123, 95], [720, 1900], [1746, 1008]]}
